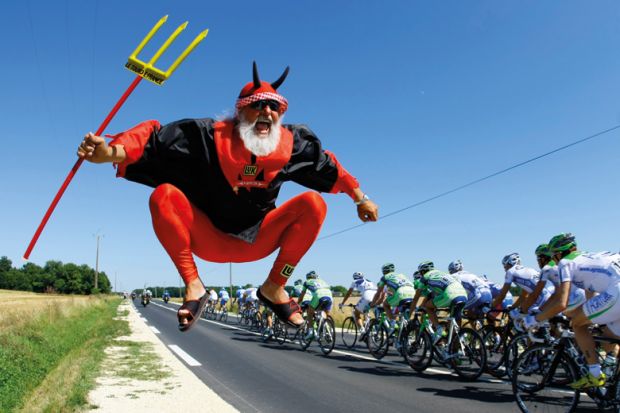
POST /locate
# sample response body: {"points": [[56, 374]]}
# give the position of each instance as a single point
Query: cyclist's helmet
{"points": [[455, 266], [417, 275], [562, 242], [312, 275], [299, 282], [388, 268], [425, 267], [511, 259], [358, 276], [543, 250]]}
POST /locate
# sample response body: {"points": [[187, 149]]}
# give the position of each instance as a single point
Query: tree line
{"points": [[53, 277]]}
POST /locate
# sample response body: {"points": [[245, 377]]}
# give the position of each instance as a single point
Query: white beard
{"points": [[259, 146]]}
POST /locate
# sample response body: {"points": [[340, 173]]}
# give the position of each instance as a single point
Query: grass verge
{"points": [[50, 362]]}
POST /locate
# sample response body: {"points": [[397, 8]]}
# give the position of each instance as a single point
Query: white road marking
{"points": [[156, 331], [184, 356]]}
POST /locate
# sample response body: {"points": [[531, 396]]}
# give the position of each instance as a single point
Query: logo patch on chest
{"points": [[250, 170]]}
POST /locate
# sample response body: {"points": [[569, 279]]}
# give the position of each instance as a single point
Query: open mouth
{"points": [[263, 125]]}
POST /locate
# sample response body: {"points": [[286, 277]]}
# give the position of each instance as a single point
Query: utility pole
{"points": [[230, 278], [97, 264], [115, 290]]}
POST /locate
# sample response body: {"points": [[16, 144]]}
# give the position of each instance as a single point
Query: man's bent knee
{"points": [[164, 194], [314, 204]]}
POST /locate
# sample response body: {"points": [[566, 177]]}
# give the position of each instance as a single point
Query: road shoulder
{"points": [[140, 372]]}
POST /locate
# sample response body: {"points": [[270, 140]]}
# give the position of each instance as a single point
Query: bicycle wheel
{"points": [[326, 336], [516, 346], [540, 377], [224, 316], [240, 316], [417, 347], [280, 331], [302, 332], [495, 345], [377, 339], [349, 332], [468, 356]]}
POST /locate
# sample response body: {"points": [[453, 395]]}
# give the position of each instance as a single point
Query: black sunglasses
{"points": [[274, 105]]}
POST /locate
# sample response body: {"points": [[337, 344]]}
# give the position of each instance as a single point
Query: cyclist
{"points": [[440, 290], [394, 290], [166, 296], [298, 287], [250, 298], [595, 273], [224, 297], [479, 295], [505, 304], [367, 289], [524, 277], [321, 298], [238, 298], [549, 273]]}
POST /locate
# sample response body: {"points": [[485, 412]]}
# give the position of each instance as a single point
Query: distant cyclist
{"points": [[440, 290], [298, 287], [224, 297], [595, 273], [238, 299], [250, 298], [394, 290], [479, 295], [321, 298], [367, 290]]}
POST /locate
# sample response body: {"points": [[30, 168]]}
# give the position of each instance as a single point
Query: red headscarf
{"points": [[258, 90]]}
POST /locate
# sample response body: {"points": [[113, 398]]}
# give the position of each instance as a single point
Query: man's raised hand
{"points": [[93, 149], [368, 211]]}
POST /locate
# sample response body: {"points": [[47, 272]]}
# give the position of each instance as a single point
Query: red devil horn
{"points": [[255, 76], [278, 82]]}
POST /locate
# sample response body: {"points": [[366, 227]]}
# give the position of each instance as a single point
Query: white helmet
{"points": [[455, 266], [511, 259]]}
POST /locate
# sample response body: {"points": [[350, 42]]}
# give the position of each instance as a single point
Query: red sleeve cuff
{"points": [[133, 140], [346, 182]]}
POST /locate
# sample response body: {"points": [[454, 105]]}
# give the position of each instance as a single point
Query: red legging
{"points": [[183, 229]]}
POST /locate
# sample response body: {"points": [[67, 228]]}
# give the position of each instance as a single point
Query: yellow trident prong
{"points": [[147, 70]]}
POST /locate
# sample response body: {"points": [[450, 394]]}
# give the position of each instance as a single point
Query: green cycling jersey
{"points": [[398, 288]]}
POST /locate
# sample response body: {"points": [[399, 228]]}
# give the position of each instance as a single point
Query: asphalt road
{"points": [[267, 377]]}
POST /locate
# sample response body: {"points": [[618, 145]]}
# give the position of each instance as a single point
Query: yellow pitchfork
{"points": [[143, 70]]}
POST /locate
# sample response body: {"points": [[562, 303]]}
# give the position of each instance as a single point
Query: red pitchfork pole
{"points": [[144, 70]]}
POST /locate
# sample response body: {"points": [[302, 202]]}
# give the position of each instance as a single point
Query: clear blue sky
{"points": [[414, 97]]}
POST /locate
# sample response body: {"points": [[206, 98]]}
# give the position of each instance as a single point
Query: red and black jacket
{"points": [[185, 154]]}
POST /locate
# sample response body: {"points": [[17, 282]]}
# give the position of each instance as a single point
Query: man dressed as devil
{"points": [[216, 184]]}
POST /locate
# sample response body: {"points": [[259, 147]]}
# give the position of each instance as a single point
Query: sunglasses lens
{"points": [[260, 105]]}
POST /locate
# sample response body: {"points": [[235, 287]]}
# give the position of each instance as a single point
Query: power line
{"points": [[494, 174]]}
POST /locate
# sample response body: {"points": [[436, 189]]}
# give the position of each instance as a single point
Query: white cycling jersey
{"points": [[362, 285], [223, 294], [594, 272], [550, 273], [251, 294], [472, 282], [524, 277], [212, 295]]}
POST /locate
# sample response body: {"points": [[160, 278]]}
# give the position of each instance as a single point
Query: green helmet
{"points": [[562, 242], [426, 266], [388, 268], [312, 275], [543, 249]]}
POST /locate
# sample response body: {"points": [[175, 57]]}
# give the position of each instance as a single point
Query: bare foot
{"points": [[277, 294], [193, 291]]}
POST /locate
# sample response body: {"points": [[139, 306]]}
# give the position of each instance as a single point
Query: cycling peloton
{"points": [[595, 273], [367, 290], [440, 290]]}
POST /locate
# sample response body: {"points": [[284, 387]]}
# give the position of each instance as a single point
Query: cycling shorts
{"points": [[605, 308], [325, 300], [484, 300], [223, 301], [576, 298], [452, 292], [402, 293], [363, 304], [305, 303]]}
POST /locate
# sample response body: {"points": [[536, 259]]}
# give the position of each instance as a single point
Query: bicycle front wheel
{"points": [[496, 346], [349, 332], [327, 336], [540, 380], [417, 347], [468, 356], [377, 339]]}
